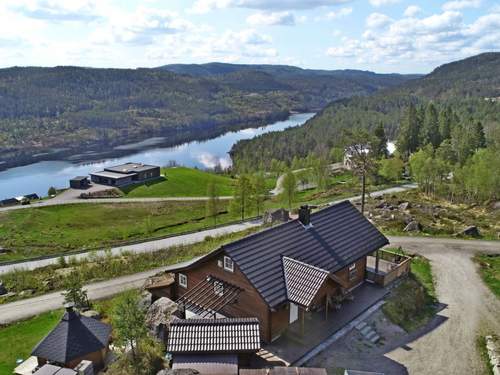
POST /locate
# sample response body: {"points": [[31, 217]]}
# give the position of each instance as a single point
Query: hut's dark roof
{"points": [[228, 335], [339, 235], [302, 281], [74, 337]]}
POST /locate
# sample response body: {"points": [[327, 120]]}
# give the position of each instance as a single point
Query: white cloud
{"points": [[379, 3], [461, 4], [343, 12], [269, 19], [58, 10], [430, 40], [412, 11], [204, 6], [377, 20]]}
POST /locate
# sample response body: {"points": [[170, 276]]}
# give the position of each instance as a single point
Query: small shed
{"points": [[74, 339], [79, 182], [213, 346]]}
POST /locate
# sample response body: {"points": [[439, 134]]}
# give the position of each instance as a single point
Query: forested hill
{"points": [[75, 109], [471, 87]]}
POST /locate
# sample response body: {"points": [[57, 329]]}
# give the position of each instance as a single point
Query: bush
{"points": [[52, 191]]}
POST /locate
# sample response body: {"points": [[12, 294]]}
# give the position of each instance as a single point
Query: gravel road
{"points": [[447, 345]]}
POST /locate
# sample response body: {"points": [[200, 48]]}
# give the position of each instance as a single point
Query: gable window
{"points": [[352, 271], [228, 264], [218, 288], [183, 280]]}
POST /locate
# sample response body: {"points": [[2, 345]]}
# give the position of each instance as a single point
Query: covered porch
{"points": [[314, 327]]}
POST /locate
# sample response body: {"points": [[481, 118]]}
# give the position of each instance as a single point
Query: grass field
{"points": [[57, 229], [489, 269], [181, 182], [17, 340], [412, 303]]}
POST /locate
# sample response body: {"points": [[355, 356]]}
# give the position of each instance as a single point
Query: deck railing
{"points": [[399, 266]]}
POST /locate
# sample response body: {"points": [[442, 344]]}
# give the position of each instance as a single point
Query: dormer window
{"points": [[228, 264]]}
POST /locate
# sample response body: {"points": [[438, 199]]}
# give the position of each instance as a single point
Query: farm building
{"points": [[125, 174]]}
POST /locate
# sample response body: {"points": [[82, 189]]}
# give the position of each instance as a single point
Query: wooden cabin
{"points": [[278, 274]]}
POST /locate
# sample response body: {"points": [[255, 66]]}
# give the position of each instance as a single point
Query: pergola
{"points": [[209, 297]]}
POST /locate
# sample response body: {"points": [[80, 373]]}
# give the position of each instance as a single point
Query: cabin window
{"points": [[218, 288], [228, 264], [352, 271], [183, 280]]}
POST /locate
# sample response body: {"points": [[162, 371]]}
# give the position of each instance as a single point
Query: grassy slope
{"points": [[182, 182], [17, 340], [411, 304], [52, 278], [489, 269], [56, 229]]}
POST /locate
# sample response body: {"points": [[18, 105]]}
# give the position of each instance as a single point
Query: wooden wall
{"points": [[249, 304]]}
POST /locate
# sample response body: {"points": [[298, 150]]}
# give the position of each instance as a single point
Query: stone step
{"points": [[370, 335], [365, 330], [375, 339], [360, 326]]}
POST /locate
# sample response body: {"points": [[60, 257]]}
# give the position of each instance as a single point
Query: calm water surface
{"points": [[38, 177]]}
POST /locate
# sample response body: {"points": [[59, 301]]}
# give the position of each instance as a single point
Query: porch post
{"points": [[326, 306], [376, 262], [302, 322]]}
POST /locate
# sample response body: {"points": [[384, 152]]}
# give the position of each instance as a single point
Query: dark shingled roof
{"points": [[227, 335], [302, 281], [339, 235], [74, 337]]}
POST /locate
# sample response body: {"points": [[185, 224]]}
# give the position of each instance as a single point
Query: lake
{"points": [[38, 177]]}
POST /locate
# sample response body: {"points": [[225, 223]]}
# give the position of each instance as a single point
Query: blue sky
{"points": [[379, 35]]}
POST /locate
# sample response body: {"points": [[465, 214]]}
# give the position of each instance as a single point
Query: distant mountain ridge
{"points": [[60, 111], [466, 85]]}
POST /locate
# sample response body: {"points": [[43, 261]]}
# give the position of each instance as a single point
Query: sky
{"points": [[378, 35]]}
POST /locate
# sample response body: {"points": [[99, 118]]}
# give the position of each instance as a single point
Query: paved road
{"points": [[144, 247]]}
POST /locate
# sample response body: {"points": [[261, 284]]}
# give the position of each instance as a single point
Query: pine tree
{"points": [[259, 192], [74, 292], [408, 140], [445, 119], [429, 132], [479, 137], [379, 147]]}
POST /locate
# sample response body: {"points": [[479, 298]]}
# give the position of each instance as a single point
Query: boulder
{"points": [[276, 216], [404, 206], [146, 299], [92, 314], [382, 204], [159, 316], [413, 226], [27, 292], [471, 231], [496, 205], [3, 289]]}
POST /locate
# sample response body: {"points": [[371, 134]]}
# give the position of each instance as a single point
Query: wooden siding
{"points": [[343, 274], [249, 303]]}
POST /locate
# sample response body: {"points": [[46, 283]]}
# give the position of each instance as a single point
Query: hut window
{"points": [[183, 280], [228, 264]]}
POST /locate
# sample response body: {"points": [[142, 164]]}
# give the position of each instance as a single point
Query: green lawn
{"points": [[57, 229], [489, 269], [181, 182], [17, 340]]}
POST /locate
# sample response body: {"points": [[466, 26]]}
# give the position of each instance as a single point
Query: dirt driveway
{"points": [[447, 345]]}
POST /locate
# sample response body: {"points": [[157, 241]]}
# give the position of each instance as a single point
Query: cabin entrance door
{"points": [[294, 312]]}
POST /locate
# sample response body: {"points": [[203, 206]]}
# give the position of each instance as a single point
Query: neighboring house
{"points": [[213, 346], [79, 182], [353, 150], [76, 338], [280, 274], [125, 174]]}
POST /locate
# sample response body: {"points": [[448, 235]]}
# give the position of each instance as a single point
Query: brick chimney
{"points": [[305, 215]]}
